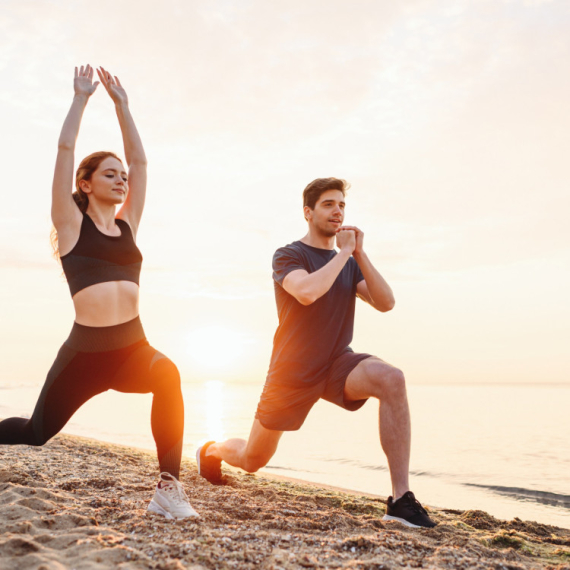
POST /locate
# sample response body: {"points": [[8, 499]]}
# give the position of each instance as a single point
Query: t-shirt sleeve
{"points": [[358, 277], [285, 260]]}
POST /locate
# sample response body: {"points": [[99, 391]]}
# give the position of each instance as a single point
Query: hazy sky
{"points": [[449, 118]]}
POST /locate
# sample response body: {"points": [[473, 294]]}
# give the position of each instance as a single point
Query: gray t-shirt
{"points": [[310, 337]]}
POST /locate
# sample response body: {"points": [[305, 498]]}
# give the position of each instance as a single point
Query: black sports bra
{"points": [[98, 258]]}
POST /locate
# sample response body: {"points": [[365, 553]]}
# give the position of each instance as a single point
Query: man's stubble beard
{"points": [[327, 233]]}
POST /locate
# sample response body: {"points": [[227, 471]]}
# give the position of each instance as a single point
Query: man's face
{"points": [[328, 214]]}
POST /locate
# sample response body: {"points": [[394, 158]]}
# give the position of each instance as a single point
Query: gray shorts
{"points": [[284, 408]]}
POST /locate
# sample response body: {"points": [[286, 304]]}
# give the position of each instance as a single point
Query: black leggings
{"points": [[93, 360]]}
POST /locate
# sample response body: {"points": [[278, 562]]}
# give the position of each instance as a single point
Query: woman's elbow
{"points": [[66, 146], [139, 161]]}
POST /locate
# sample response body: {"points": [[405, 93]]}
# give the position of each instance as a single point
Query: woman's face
{"points": [[108, 183]]}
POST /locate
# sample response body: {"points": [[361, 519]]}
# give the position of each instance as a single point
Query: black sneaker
{"points": [[208, 466], [409, 511]]}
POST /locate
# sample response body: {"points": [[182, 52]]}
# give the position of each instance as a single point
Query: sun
{"points": [[217, 348]]}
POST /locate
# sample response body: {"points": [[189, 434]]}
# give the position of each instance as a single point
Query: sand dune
{"points": [[79, 503]]}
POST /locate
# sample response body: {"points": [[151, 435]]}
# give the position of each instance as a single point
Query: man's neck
{"points": [[315, 239]]}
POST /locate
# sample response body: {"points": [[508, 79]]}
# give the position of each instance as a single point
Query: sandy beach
{"points": [[80, 503]]}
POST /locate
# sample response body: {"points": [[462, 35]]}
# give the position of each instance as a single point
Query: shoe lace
{"points": [[176, 491], [416, 505]]}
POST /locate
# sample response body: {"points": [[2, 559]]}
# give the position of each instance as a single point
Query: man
{"points": [[315, 291]]}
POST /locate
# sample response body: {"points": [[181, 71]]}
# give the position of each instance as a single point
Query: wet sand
{"points": [[80, 503]]}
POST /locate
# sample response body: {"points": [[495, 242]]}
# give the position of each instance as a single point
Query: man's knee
{"points": [[254, 463], [386, 381]]}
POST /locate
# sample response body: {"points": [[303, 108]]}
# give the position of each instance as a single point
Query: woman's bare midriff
{"points": [[107, 304]]}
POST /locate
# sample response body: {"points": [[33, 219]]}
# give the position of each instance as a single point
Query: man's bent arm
{"points": [[374, 288], [308, 287]]}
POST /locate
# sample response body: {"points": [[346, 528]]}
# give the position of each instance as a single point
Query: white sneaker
{"points": [[170, 499]]}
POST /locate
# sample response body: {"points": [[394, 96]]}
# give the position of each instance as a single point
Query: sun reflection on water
{"points": [[215, 410]]}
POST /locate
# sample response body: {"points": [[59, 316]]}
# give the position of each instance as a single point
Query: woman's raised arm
{"points": [[134, 152], [63, 208]]}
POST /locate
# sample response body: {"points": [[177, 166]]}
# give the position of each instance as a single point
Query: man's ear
{"points": [[307, 212]]}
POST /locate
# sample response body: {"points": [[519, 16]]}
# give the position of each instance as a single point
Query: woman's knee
{"points": [[34, 436], [20, 431], [39, 441], [165, 374]]}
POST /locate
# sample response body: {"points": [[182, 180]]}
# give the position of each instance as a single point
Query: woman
{"points": [[107, 348]]}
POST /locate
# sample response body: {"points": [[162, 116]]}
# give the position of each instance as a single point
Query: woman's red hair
{"points": [[85, 170]]}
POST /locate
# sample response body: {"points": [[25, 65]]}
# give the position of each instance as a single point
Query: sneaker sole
{"points": [[403, 521], [198, 458], [154, 507]]}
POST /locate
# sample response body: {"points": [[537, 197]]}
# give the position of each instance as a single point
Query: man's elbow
{"points": [[387, 305], [305, 298]]}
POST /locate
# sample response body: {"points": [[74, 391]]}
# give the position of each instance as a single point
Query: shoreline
{"points": [[503, 483], [81, 503]]}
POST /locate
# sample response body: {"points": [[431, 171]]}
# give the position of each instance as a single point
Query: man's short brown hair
{"points": [[319, 186]]}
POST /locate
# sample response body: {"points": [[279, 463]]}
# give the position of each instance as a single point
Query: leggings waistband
{"points": [[102, 339]]}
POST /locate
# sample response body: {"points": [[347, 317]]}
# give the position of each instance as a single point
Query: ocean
{"points": [[503, 449]]}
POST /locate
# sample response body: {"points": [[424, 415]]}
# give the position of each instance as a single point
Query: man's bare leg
{"points": [[374, 378], [250, 455]]}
